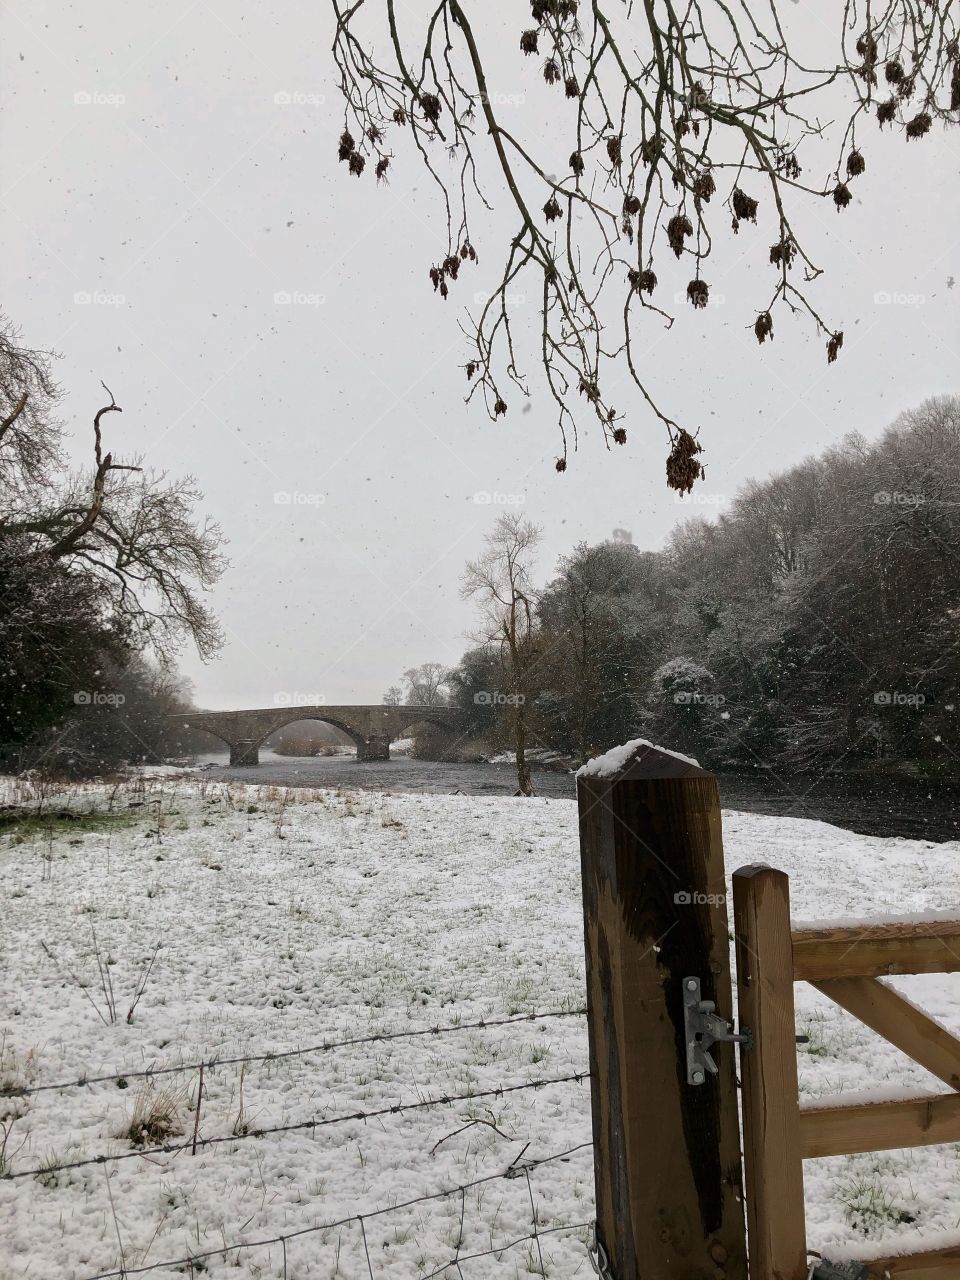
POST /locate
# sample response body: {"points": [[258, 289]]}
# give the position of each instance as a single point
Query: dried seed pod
{"points": [[683, 467], [571, 87], [699, 98], [919, 125], [400, 116], [499, 407], [576, 163], [678, 227], [551, 71], [704, 186], [833, 346], [451, 266], [620, 435], [647, 282], [842, 195], [471, 369], [744, 206], [893, 71], [430, 106], [357, 163], [855, 164], [613, 150], [867, 47], [561, 464], [631, 205], [698, 292], [764, 327], [551, 210], [886, 111], [650, 149], [528, 42], [374, 134], [347, 145], [783, 254], [436, 275], [383, 164]]}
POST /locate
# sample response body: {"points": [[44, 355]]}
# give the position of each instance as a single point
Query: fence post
{"points": [[667, 1153], [771, 1107]]}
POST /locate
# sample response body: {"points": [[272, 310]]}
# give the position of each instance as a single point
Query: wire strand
{"points": [[313, 1124], [325, 1046]]}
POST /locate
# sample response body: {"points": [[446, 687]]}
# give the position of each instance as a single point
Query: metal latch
{"points": [[703, 1027]]}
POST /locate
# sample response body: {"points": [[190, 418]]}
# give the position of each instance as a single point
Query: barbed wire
{"points": [[325, 1046], [314, 1123], [513, 1170]]}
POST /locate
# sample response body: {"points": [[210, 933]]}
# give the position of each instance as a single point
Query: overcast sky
{"points": [[157, 197]]}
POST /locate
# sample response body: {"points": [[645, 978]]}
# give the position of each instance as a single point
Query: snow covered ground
{"points": [[291, 918]]}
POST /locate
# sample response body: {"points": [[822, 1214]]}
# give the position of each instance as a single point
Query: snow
{"points": [[289, 918], [613, 760]]}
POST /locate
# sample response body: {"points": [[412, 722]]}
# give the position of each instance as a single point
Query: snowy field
{"points": [[287, 919]]}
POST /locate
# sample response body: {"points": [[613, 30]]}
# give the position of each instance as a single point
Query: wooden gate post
{"points": [[771, 1104], [667, 1153]]}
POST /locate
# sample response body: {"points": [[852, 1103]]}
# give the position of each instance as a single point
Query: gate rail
{"points": [[778, 1133]]}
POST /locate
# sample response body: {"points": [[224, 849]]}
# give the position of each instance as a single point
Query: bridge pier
{"points": [[245, 752], [376, 747]]}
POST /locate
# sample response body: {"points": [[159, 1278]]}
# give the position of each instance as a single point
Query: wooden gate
{"points": [[778, 1133]]}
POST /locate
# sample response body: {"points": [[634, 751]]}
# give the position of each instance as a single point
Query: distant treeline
{"points": [[813, 624]]}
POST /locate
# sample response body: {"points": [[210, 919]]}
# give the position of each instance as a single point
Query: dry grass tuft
{"points": [[155, 1117]]}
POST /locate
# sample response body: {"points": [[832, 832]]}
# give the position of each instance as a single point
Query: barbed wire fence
{"points": [[513, 1170], [519, 1167]]}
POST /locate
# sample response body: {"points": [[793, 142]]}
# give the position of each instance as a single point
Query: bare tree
{"points": [[426, 685], [133, 532], [673, 113], [500, 582]]}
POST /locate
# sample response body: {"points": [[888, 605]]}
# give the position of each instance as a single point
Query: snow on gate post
{"points": [[666, 1152]]}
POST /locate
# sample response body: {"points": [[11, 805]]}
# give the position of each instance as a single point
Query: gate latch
{"points": [[703, 1027]]}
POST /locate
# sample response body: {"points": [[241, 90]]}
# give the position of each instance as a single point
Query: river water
{"points": [[887, 806]]}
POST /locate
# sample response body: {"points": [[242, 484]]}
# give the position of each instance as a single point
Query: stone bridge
{"points": [[372, 728]]}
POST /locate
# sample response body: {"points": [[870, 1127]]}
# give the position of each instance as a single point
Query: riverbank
{"points": [[867, 804]]}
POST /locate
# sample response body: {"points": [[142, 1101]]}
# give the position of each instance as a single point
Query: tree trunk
{"points": [[524, 781]]}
